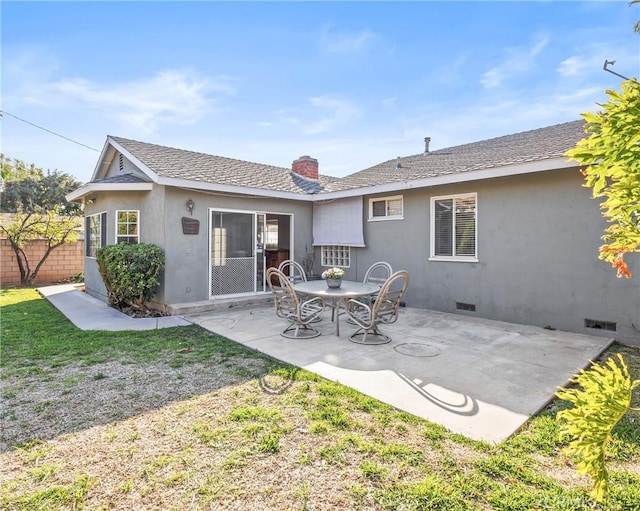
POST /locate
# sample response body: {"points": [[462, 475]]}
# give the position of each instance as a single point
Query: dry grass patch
{"points": [[211, 448]]}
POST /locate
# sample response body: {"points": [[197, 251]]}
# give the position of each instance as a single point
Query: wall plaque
{"points": [[190, 225]]}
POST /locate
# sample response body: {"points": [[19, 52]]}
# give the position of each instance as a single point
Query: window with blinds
{"points": [[453, 227], [386, 208]]}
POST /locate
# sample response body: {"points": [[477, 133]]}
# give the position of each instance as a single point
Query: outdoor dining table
{"points": [[347, 290]]}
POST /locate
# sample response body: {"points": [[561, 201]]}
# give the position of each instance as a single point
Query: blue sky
{"points": [[349, 83]]}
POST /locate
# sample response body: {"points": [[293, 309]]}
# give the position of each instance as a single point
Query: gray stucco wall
{"points": [[185, 278], [187, 255], [150, 204], [538, 239], [151, 208]]}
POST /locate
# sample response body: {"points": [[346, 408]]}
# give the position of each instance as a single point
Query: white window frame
{"points": [[127, 236], [93, 241], [454, 257], [338, 256], [386, 216]]}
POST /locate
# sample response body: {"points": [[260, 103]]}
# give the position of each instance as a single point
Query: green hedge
{"points": [[130, 273]]}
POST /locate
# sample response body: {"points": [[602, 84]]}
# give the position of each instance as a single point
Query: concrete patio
{"points": [[480, 378]]}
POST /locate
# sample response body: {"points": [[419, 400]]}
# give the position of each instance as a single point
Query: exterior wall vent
{"points": [[468, 307], [610, 326], [121, 162]]}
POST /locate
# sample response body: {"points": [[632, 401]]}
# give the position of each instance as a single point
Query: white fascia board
{"points": [[100, 164], [150, 173], [236, 190], [457, 177], [89, 188]]}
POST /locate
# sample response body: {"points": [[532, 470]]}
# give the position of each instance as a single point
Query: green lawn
{"points": [[182, 419]]}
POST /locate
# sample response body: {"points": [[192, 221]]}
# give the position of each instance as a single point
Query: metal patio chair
{"points": [[293, 270], [384, 310], [377, 273], [291, 307], [296, 274]]}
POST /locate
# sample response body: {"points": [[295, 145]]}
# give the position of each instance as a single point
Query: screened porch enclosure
{"points": [[233, 253], [239, 243]]}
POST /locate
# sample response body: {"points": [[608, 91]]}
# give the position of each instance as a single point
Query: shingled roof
{"points": [[124, 178], [529, 146], [193, 166]]}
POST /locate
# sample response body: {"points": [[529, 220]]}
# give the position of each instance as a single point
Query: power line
{"points": [[4, 112]]}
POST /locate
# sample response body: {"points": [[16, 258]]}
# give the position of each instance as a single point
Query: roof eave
{"points": [[458, 177], [232, 189], [90, 188], [102, 165]]}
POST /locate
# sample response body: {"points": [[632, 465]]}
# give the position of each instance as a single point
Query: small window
{"points": [[336, 255], [127, 228], [453, 228], [95, 228], [386, 208]]}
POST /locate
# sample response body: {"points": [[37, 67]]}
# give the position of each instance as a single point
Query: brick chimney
{"points": [[306, 166]]}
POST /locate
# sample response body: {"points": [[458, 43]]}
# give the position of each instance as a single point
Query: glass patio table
{"points": [[347, 290]]}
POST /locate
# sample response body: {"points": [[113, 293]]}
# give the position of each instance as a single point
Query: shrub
{"points": [[603, 397], [130, 273], [78, 278]]}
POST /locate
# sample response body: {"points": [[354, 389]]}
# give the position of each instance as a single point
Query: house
{"points": [[500, 229]]}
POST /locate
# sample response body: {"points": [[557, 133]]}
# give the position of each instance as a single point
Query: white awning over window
{"points": [[338, 222]]}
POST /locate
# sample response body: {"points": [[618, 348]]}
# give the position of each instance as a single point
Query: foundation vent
{"points": [[467, 307], [609, 326]]}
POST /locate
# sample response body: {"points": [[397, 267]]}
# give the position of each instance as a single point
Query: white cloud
{"points": [[455, 69], [389, 102], [334, 111], [516, 61], [326, 112], [493, 77], [36, 79], [588, 64], [171, 96], [347, 42], [539, 46], [25, 71], [571, 66]]}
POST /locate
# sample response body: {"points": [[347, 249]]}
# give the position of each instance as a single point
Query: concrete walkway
{"points": [[480, 378], [89, 313]]}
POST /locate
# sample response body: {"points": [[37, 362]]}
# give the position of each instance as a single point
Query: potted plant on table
{"points": [[333, 276]]}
